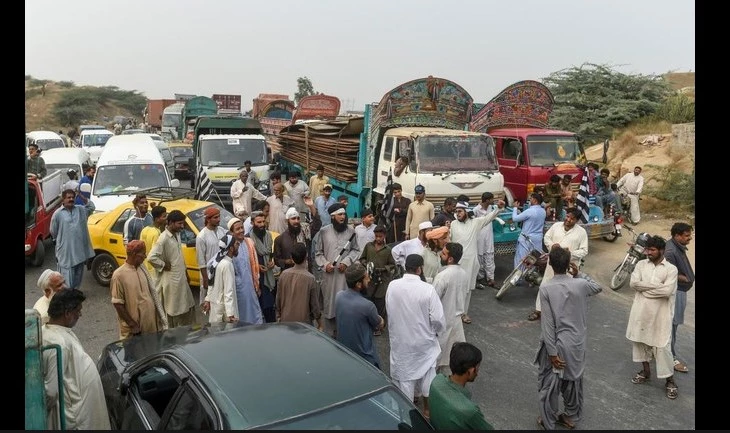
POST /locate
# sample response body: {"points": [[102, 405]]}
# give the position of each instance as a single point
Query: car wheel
{"points": [[39, 255], [102, 268]]}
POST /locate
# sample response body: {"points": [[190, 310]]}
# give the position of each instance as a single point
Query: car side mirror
{"points": [[124, 383]]}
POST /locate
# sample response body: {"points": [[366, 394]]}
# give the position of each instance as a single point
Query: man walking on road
{"points": [[465, 231], [650, 321], [676, 254], [206, 247], [134, 297], [632, 184], [562, 353], [569, 235], [450, 285], [415, 318], [485, 244], [335, 248], [71, 236], [173, 283]]}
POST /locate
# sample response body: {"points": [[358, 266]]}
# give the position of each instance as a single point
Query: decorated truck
{"points": [[416, 134], [194, 108], [529, 152]]}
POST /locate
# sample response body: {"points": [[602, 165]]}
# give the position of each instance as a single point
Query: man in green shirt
{"points": [[450, 401]]}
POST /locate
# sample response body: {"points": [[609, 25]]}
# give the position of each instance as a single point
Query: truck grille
{"points": [[223, 191]]}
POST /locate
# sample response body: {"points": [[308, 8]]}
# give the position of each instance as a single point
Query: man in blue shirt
{"points": [[83, 197], [533, 225], [357, 317], [323, 202]]}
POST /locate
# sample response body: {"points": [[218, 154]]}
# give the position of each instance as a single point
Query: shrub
{"points": [[66, 84], [33, 82], [31, 93], [676, 187], [678, 108]]}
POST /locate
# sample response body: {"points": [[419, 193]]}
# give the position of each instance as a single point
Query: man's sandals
{"points": [[466, 319], [564, 420], [640, 377], [672, 389], [535, 315]]}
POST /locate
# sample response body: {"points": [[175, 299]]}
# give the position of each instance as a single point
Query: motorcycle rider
{"points": [[631, 185], [533, 224]]}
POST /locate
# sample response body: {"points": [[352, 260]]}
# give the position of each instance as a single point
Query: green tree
{"points": [[595, 100], [304, 88]]}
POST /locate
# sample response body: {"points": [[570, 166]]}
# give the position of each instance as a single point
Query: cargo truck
{"points": [[221, 145], [153, 113], [194, 108], [171, 121], [423, 122]]}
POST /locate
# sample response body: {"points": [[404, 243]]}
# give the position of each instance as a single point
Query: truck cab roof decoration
{"points": [[525, 104]]}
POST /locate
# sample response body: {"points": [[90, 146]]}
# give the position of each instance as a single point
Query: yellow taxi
{"points": [[106, 230]]}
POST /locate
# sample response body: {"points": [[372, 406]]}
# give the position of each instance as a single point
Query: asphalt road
{"points": [[506, 388]]}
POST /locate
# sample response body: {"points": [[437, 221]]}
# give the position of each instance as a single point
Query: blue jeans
{"points": [[73, 275]]}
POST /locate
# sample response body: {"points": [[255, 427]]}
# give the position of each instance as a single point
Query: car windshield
{"points": [[95, 139], [198, 216], [551, 149], [385, 410], [125, 178], [182, 151], [444, 153], [232, 151]]}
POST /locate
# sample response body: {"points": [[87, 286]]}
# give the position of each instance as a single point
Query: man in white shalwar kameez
{"points": [[650, 321], [450, 285], [415, 318], [83, 394], [411, 246], [465, 231], [485, 243], [436, 239], [221, 301], [568, 234], [242, 194]]}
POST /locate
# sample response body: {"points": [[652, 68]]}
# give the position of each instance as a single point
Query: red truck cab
{"points": [[44, 198], [528, 157]]}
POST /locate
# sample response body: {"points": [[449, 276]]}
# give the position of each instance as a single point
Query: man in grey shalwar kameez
{"points": [[328, 243], [562, 353]]}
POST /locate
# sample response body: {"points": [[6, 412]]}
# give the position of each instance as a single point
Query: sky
{"points": [[355, 50]]}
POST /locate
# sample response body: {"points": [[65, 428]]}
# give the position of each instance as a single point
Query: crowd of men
{"points": [[288, 257]]}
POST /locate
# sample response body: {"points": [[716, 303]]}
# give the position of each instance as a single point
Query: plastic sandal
{"points": [[672, 390], [639, 378]]}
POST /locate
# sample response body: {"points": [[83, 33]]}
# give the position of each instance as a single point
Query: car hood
{"points": [[106, 203]]}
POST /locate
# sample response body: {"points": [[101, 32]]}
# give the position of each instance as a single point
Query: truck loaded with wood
{"points": [[416, 135]]}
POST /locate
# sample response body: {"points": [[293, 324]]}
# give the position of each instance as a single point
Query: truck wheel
{"points": [[102, 268], [37, 258]]}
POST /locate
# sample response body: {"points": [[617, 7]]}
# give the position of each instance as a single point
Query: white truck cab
{"points": [[129, 163]]}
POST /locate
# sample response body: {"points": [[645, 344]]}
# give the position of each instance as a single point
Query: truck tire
{"points": [[39, 255], [102, 268]]}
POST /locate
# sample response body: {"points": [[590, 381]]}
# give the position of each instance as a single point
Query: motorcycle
{"points": [[530, 270], [633, 255], [618, 220]]}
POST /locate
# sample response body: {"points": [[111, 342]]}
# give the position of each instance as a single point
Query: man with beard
{"points": [[437, 239], [465, 231], [568, 235], [379, 254], [446, 214], [485, 244], [335, 248], [450, 285], [676, 254], [322, 202], [70, 233], [285, 241], [398, 219], [297, 191], [141, 219], [173, 282], [264, 245], [242, 192], [206, 247], [278, 205], [246, 267]]}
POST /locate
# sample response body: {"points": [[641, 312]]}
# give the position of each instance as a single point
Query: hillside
{"points": [[39, 106]]}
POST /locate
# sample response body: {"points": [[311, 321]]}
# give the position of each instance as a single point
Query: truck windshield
{"points": [[171, 119], [232, 151], [439, 153], [124, 178], [552, 149], [95, 139]]}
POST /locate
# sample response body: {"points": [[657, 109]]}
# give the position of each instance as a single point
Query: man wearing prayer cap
{"points": [[412, 246], [220, 301], [419, 210], [415, 319], [249, 293], [134, 298], [206, 247], [335, 248], [465, 231], [436, 239], [284, 243], [50, 282]]}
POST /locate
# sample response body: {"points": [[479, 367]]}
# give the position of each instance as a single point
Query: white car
{"points": [[45, 140], [93, 140]]}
